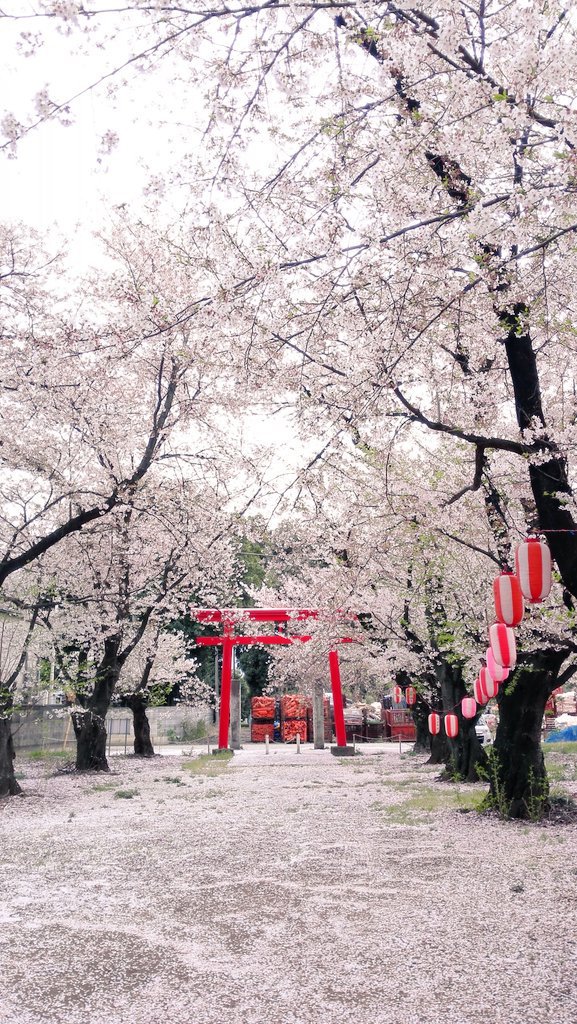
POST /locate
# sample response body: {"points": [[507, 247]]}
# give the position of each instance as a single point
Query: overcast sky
{"points": [[60, 175], [61, 184]]}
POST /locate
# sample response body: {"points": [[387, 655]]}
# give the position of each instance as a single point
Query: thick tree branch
{"points": [[497, 443], [164, 406], [480, 461]]}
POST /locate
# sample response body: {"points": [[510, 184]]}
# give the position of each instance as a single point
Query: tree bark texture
{"points": [[90, 732], [422, 735], [519, 787], [440, 753], [549, 479], [465, 753], [8, 782], [142, 742], [89, 724]]}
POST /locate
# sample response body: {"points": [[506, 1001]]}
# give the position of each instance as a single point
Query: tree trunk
{"points": [[8, 783], [467, 759], [89, 724], [142, 742], [440, 752], [465, 753], [90, 733], [519, 787], [422, 734], [549, 479]]}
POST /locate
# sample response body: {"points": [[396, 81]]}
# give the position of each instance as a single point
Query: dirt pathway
{"points": [[290, 889]]}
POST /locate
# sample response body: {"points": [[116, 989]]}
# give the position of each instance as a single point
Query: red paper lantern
{"points": [[533, 564], [490, 686], [479, 692], [509, 606], [397, 694], [451, 726], [498, 673], [410, 695], [468, 707], [502, 640], [434, 723]]}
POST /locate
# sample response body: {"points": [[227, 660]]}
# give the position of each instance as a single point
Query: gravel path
{"points": [[290, 889]]}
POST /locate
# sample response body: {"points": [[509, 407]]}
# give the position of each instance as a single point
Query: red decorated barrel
{"points": [[508, 597], [533, 565]]}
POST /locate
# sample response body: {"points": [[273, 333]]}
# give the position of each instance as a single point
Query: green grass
{"points": [[104, 787], [50, 755], [426, 800], [125, 794], [561, 761], [209, 765], [401, 783], [566, 747]]}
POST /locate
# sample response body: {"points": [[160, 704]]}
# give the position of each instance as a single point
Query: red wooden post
{"points": [[337, 699], [225, 686]]}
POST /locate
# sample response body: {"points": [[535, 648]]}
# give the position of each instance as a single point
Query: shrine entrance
{"points": [[231, 619]]}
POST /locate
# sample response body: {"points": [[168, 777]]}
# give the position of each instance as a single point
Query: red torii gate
{"points": [[230, 618]]}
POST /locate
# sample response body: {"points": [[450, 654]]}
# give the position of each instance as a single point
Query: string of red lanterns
{"points": [[531, 582]]}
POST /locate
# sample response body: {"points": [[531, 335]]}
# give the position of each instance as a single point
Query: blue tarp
{"points": [[563, 735]]}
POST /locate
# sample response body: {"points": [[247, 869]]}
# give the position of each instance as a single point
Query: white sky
{"points": [[59, 176]]}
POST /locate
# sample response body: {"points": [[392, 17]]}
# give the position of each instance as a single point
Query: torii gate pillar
{"points": [[225, 687], [337, 699]]}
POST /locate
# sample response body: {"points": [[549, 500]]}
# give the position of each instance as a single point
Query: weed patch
{"points": [[426, 800], [174, 779], [566, 747], [561, 761], [49, 755], [210, 765]]}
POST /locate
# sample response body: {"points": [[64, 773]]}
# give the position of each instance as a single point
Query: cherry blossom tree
{"points": [[375, 534], [113, 393], [427, 246], [396, 183], [158, 665], [117, 585]]}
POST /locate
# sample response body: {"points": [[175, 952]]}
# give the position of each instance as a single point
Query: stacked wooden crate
{"points": [[293, 717], [262, 719]]}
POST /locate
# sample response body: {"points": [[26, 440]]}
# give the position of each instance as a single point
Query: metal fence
{"points": [[49, 727]]}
